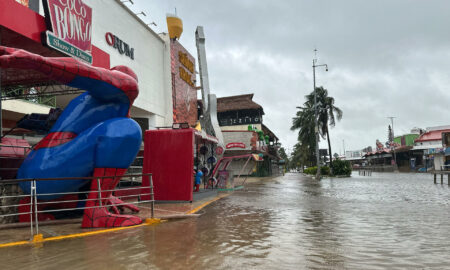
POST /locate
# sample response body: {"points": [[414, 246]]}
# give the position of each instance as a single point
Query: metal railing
{"points": [[11, 197], [26, 149], [364, 172]]}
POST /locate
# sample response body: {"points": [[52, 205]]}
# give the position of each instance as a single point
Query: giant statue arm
{"points": [[101, 83]]}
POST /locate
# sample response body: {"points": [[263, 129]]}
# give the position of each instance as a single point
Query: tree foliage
{"points": [[284, 156], [327, 114], [342, 167], [324, 170]]}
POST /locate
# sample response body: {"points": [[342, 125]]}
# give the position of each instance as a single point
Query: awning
{"points": [[404, 148], [423, 147], [202, 135]]}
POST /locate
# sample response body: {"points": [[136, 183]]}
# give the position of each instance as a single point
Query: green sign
{"points": [[64, 47]]}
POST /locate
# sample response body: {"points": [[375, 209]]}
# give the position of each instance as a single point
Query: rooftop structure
{"points": [[236, 103]]}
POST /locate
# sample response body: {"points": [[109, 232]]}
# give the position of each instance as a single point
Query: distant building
{"points": [[354, 154], [241, 121], [238, 112], [406, 140], [408, 159], [431, 143]]}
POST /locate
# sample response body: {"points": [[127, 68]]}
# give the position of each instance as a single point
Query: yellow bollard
{"points": [[38, 238], [150, 221]]}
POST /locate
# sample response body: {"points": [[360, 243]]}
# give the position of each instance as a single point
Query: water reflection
{"points": [[387, 221]]}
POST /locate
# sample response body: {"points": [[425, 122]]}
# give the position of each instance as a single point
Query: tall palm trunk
{"points": [[329, 149]]}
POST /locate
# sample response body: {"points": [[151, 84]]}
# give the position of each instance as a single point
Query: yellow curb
{"points": [[198, 208], [39, 237], [14, 244]]}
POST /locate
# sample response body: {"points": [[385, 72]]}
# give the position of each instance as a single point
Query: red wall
{"points": [[169, 156]]}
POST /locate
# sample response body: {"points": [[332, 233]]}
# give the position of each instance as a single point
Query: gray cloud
{"points": [[386, 58]]}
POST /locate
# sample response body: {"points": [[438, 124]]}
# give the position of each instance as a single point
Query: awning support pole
{"points": [[243, 167], [1, 118]]}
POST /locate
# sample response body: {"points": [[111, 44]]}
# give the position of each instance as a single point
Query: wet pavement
{"points": [[386, 221], [162, 211]]}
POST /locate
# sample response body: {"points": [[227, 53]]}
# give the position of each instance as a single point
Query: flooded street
{"points": [[386, 221]]}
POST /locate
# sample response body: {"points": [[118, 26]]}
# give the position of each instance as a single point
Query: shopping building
{"points": [[23, 25]]}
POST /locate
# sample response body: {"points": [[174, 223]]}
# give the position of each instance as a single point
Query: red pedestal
{"points": [[169, 157]]}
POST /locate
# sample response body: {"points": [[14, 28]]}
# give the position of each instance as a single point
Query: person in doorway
{"points": [[198, 180], [194, 172]]}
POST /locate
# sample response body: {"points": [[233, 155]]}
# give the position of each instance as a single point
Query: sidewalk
{"points": [[71, 228], [163, 211]]}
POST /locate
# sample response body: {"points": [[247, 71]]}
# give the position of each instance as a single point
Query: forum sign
{"points": [[70, 28]]}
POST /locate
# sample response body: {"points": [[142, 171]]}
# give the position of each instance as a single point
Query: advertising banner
{"points": [[70, 27], [235, 145], [184, 92]]}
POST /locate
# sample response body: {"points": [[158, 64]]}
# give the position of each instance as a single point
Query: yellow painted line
{"points": [[14, 244], [39, 238], [198, 208]]}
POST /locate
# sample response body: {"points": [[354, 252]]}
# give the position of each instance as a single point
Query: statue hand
{"points": [[16, 58]]}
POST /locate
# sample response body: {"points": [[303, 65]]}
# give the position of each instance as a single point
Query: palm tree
{"points": [[304, 121], [327, 114]]}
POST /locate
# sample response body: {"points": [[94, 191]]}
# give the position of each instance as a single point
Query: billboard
{"points": [[184, 92], [70, 28]]}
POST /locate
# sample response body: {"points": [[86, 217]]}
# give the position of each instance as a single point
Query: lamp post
{"points": [[316, 125]]}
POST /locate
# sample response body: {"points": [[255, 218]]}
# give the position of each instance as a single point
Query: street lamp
{"points": [[316, 124]]}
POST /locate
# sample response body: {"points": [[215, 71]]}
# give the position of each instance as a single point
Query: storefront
{"points": [[22, 26]]}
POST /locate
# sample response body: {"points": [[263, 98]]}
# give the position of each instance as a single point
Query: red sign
{"points": [[219, 150], [118, 44], [71, 23], [235, 145]]}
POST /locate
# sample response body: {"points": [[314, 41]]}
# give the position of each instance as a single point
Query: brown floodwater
{"points": [[386, 221]]}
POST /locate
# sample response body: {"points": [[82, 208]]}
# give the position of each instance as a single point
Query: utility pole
{"points": [[343, 146], [316, 124]]}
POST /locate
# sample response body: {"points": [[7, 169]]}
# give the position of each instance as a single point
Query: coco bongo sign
{"points": [[70, 28]]}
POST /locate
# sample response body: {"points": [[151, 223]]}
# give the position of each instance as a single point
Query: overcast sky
{"points": [[386, 58]]}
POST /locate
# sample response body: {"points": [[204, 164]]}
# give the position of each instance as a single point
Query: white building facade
{"points": [[151, 55]]}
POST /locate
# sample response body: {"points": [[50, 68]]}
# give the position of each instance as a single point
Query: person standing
{"points": [[198, 180]]}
